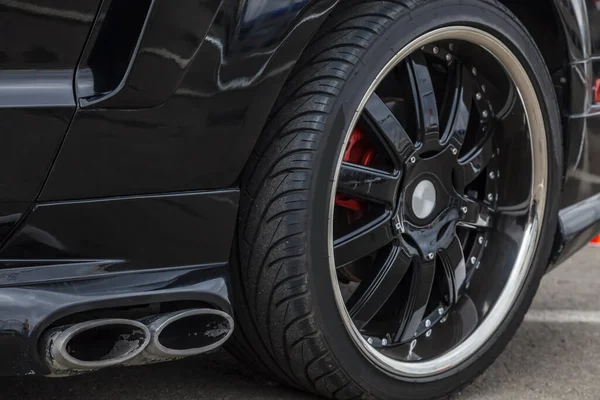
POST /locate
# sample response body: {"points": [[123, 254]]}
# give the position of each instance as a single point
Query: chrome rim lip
{"points": [[538, 142]]}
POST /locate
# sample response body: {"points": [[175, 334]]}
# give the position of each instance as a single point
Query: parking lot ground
{"points": [[555, 355]]}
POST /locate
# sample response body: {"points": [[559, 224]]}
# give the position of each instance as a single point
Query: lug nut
{"points": [[436, 50], [492, 175], [448, 57], [430, 256], [413, 160], [485, 114], [473, 260], [427, 324], [478, 96], [370, 340], [490, 197], [441, 310], [480, 240], [384, 342]]}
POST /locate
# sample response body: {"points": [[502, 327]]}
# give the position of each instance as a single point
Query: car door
{"points": [[40, 45]]}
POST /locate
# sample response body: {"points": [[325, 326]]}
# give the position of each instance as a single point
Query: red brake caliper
{"points": [[359, 151]]}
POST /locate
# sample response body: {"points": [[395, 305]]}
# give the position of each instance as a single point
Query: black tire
{"points": [[288, 324]]}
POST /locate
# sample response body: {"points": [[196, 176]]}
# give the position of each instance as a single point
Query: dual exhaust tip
{"points": [[102, 343]]}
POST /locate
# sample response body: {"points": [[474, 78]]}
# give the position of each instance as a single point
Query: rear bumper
{"points": [[26, 310], [74, 257]]}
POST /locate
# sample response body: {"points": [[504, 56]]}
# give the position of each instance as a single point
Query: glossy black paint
{"points": [[138, 232], [31, 137], [163, 45], [202, 135], [36, 92]]}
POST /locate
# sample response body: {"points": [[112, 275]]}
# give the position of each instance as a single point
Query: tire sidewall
{"points": [[409, 26]]}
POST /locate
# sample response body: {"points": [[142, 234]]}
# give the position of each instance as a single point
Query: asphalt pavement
{"points": [[555, 355]]}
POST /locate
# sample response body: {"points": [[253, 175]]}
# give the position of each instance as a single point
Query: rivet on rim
{"points": [[485, 114], [384, 342], [448, 57], [427, 324], [492, 175], [478, 96], [428, 333], [473, 260], [454, 151], [430, 256], [436, 50], [464, 210], [490, 197], [370, 340], [480, 240], [413, 160], [441, 310]]}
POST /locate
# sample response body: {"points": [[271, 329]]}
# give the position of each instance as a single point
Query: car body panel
{"points": [[36, 93], [206, 119]]}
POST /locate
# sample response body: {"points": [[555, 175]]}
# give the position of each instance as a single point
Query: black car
{"points": [[358, 198]]}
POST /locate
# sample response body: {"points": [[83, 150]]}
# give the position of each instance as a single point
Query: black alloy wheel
{"points": [[417, 207], [399, 213]]}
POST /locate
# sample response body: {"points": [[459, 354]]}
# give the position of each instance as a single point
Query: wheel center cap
{"points": [[423, 199]]}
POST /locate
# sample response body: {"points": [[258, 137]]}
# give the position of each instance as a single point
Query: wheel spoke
{"points": [[422, 86], [363, 241], [453, 261], [387, 128], [367, 183], [473, 164], [373, 293], [478, 214], [460, 110], [415, 307]]}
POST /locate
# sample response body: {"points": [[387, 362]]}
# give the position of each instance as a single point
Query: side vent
{"points": [[111, 48]]}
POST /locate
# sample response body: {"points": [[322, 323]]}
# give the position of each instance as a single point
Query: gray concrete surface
{"points": [[555, 355]]}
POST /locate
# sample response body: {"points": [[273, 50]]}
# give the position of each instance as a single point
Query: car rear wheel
{"points": [[399, 212]]}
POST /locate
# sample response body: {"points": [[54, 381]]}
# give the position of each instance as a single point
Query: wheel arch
{"points": [[546, 21]]}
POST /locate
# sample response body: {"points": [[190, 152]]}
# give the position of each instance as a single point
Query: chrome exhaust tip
{"points": [[95, 344], [186, 333]]}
